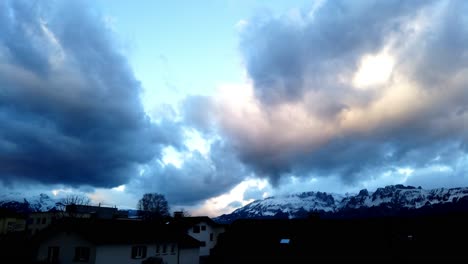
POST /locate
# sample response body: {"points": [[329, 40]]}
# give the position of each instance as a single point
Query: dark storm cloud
{"points": [[309, 116], [199, 177], [70, 111]]}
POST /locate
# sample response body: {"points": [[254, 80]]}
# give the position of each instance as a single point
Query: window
{"points": [[44, 220], [173, 246], [81, 254], [164, 249], [38, 220], [203, 227], [158, 249], [53, 254], [138, 252], [10, 226], [211, 236], [196, 229]]}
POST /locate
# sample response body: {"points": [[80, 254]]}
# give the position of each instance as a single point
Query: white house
{"points": [[114, 241], [202, 228]]}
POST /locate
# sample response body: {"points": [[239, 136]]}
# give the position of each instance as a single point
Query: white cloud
{"points": [[241, 24], [374, 70]]}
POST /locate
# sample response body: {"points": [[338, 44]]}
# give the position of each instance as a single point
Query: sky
{"points": [[218, 103]]}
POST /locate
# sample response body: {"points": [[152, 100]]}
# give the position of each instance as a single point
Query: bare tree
{"points": [[153, 206], [184, 213], [71, 200]]}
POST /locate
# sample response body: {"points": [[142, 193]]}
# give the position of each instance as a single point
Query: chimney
{"points": [[178, 214]]}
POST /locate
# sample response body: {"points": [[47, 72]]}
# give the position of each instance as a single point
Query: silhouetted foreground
{"points": [[437, 238], [105, 236], [429, 238]]}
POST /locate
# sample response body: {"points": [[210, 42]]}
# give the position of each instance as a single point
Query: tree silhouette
{"points": [[71, 201], [153, 206]]}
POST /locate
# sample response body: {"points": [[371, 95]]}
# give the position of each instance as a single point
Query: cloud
{"points": [[197, 113], [254, 193], [235, 204], [290, 55], [69, 102], [314, 107], [199, 177]]}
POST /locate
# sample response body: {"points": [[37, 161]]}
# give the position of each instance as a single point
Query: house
{"points": [[11, 222], [37, 221], [100, 241], [202, 228], [83, 211]]}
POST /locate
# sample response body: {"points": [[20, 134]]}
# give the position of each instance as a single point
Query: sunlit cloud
{"points": [[373, 70], [222, 204]]}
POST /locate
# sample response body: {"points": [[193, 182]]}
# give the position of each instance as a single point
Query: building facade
{"points": [[116, 242]]}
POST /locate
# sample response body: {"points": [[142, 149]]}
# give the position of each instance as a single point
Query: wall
{"points": [[204, 236], [116, 254], [189, 256], [11, 224], [34, 225], [67, 244], [39, 221]]}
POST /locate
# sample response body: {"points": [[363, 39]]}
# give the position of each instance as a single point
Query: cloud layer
{"points": [[350, 90]]}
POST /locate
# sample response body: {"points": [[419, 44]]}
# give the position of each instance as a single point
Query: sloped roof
{"points": [[104, 232]]}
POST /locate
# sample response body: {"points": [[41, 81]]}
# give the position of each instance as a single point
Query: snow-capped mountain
{"points": [[398, 196], [295, 205], [394, 197], [35, 203]]}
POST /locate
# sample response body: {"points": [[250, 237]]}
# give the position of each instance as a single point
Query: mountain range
{"points": [[21, 204], [393, 200]]}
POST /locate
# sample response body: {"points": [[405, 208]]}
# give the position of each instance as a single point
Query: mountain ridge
{"points": [[391, 200], [35, 203]]}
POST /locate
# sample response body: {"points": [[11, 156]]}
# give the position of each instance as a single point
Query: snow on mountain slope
{"points": [[295, 205], [35, 203], [403, 196], [300, 205]]}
